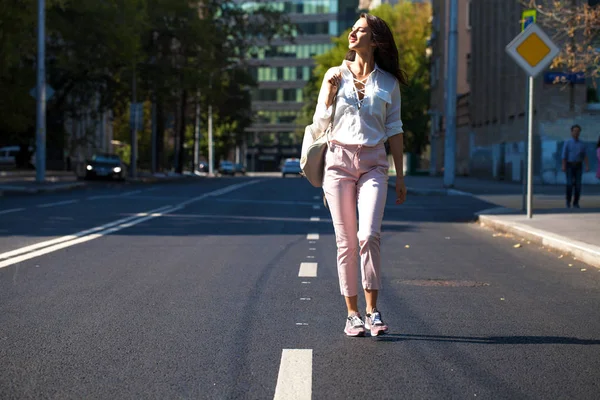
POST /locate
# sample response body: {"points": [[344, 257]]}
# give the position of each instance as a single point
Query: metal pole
{"points": [[133, 160], [530, 151], [153, 140], [450, 142], [211, 165], [40, 117], [197, 133], [433, 146], [524, 159]]}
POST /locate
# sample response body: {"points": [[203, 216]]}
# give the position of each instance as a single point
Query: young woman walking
{"points": [[367, 113]]}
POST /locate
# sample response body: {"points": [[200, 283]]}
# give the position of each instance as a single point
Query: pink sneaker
{"points": [[374, 323], [354, 326]]}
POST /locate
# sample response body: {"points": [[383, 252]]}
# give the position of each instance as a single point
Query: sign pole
{"points": [[533, 50], [530, 150], [40, 151]]}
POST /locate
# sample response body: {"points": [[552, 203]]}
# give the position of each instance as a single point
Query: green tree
{"points": [[409, 23]]}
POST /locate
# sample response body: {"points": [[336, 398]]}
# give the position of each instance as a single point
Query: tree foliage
{"points": [[575, 28], [410, 25], [177, 52]]}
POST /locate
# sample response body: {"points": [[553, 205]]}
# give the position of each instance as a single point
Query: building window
{"points": [[469, 72], [469, 14]]}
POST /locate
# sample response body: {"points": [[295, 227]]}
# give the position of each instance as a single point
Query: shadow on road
{"points": [[490, 339]]}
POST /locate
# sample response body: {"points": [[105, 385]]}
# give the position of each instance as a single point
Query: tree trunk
{"points": [[182, 126], [160, 135]]}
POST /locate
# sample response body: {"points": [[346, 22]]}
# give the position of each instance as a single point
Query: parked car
{"points": [[239, 169], [104, 165], [10, 154], [226, 168], [291, 166], [203, 166]]}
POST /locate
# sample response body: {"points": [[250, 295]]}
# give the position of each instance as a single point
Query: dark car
{"points": [[291, 166], [108, 166], [239, 169], [226, 168]]}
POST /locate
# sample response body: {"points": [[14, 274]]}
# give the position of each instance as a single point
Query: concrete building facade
{"points": [[282, 70], [498, 102], [438, 73]]}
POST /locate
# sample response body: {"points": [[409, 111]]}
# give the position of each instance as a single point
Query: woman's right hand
{"points": [[333, 78]]}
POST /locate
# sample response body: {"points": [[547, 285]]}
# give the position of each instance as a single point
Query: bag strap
{"points": [[330, 127]]}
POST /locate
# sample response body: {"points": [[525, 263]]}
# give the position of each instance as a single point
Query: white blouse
{"points": [[366, 122]]}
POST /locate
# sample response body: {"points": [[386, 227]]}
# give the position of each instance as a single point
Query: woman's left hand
{"points": [[400, 190]]}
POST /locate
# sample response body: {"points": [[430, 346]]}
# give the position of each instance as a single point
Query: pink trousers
{"points": [[356, 175]]}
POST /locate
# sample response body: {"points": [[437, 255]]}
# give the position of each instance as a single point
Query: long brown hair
{"points": [[386, 52]]}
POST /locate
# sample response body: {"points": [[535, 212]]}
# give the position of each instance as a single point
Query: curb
{"points": [[585, 252], [8, 191]]}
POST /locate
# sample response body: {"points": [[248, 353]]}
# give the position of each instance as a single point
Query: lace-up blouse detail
{"points": [[366, 116]]}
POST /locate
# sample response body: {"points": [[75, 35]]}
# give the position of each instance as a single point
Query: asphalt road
{"points": [[193, 291]]}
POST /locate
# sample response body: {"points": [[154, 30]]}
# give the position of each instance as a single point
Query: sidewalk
{"points": [[573, 231], [23, 182]]}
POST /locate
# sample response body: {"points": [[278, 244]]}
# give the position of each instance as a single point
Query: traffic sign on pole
{"points": [[533, 50], [528, 17]]}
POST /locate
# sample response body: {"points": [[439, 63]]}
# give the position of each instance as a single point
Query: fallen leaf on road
{"points": [[570, 265], [447, 237], [502, 298], [528, 242], [516, 246], [583, 269], [561, 256], [496, 235], [407, 246]]}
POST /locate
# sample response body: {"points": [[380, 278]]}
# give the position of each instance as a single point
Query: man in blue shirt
{"points": [[573, 157]]}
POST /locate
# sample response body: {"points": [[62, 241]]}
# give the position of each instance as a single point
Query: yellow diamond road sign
{"points": [[532, 49]]}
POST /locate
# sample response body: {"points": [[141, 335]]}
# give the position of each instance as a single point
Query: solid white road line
{"points": [[11, 210], [58, 203], [89, 234], [312, 236], [83, 239], [62, 239], [315, 219], [308, 270], [294, 381]]}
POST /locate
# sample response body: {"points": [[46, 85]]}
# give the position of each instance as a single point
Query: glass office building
{"points": [[282, 70]]}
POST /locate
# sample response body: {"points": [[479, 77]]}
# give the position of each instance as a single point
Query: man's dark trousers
{"points": [[574, 174]]}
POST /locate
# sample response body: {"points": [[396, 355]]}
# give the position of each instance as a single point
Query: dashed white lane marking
{"points": [[305, 298], [316, 207], [311, 242], [58, 203], [301, 324], [305, 283], [310, 257], [312, 236], [11, 210], [294, 381], [316, 197], [315, 219], [312, 249], [308, 270]]}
